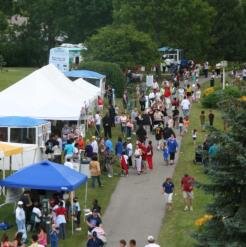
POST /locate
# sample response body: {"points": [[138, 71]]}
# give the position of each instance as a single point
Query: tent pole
{"points": [[86, 193], [3, 176], [71, 198], [22, 160]]}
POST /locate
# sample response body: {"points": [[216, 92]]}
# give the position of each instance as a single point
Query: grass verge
{"points": [[179, 225]]}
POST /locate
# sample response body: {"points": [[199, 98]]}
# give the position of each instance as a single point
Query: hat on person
{"points": [[150, 238], [95, 210], [20, 203], [128, 138], [93, 137]]}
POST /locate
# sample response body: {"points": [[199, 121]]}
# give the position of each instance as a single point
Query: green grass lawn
{"points": [[11, 75], [179, 225]]}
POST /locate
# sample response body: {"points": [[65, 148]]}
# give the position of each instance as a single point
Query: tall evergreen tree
{"points": [[228, 182], [228, 34]]}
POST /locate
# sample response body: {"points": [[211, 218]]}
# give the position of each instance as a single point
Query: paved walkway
{"points": [[137, 207]]}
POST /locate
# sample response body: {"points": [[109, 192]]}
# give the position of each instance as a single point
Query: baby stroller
{"points": [[198, 155]]}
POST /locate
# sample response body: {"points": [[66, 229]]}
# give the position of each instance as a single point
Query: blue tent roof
{"points": [[45, 175], [21, 122], [84, 74], [166, 48]]}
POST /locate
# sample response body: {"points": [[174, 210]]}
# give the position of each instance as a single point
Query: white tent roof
{"points": [[91, 90], [46, 94]]}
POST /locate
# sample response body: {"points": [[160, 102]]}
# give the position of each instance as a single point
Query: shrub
{"points": [[212, 98], [113, 72]]}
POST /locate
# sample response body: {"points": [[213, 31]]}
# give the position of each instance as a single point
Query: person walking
{"points": [[172, 148], [168, 188], [95, 171], [149, 155], [61, 213], [151, 242], [107, 126], [202, 120], [97, 120], [187, 184], [20, 218]]}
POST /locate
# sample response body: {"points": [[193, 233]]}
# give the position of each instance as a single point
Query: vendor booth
{"points": [[46, 176], [7, 151], [44, 94], [26, 134]]}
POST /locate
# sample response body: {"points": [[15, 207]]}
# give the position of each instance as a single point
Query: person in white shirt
{"points": [[129, 149], [181, 93], [151, 242], [36, 215], [68, 163], [185, 105], [94, 145], [20, 218], [98, 120]]}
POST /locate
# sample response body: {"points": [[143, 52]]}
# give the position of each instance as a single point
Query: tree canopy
{"points": [[123, 45], [228, 181]]}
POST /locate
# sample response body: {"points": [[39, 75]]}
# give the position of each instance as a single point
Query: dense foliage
{"points": [[123, 45], [198, 27], [213, 99], [113, 73], [228, 181]]}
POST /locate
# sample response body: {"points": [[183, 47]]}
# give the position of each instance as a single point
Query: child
{"points": [[194, 136], [186, 124], [53, 236], [124, 163], [202, 120], [181, 126], [165, 153]]}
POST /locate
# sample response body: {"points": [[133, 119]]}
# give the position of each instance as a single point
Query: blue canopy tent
{"points": [[20, 122], [92, 77], [46, 175], [84, 74]]}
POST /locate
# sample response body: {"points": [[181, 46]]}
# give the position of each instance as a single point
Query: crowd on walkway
{"points": [[161, 112]]}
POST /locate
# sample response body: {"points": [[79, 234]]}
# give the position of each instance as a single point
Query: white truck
{"points": [[66, 56]]}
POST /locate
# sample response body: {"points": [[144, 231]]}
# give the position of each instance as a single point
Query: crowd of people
{"points": [[153, 125]]}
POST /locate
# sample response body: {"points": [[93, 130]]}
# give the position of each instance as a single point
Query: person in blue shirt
{"points": [[119, 147], [88, 149], [109, 145], [213, 150], [168, 188], [165, 153], [172, 148], [69, 149], [94, 241]]}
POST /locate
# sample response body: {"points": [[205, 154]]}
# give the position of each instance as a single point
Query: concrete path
{"points": [[137, 207]]}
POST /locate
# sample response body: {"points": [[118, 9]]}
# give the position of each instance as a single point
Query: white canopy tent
{"points": [[45, 94], [92, 91]]}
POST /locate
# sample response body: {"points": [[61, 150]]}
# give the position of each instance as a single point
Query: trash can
{"points": [[84, 167]]}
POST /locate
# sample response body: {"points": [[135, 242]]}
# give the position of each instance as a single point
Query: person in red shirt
{"points": [[61, 213], [149, 155], [187, 184], [100, 103], [144, 155], [81, 143]]}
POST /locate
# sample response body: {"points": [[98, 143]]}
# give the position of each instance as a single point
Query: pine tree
{"points": [[228, 182]]}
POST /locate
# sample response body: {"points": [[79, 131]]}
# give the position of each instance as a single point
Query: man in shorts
{"points": [[187, 184], [168, 188]]}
